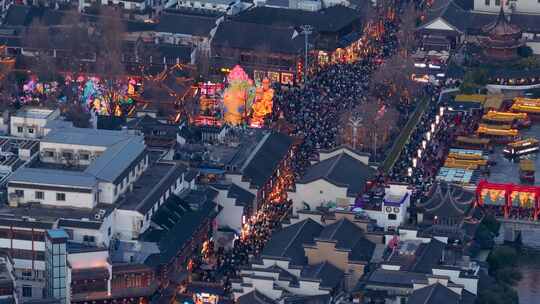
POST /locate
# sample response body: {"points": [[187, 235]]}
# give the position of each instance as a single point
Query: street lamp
{"points": [[306, 31], [355, 123]]}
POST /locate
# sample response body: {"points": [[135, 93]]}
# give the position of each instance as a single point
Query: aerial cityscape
{"points": [[269, 151]]}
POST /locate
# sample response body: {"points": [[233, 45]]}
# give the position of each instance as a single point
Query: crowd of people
{"points": [[315, 107]]}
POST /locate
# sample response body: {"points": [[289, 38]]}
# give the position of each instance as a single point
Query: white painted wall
{"points": [[73, 199], [231, 215], [470, 284], [76, 149], [521, 6], [22, 244], [125, 224], [316, 193], [80, 233], [31, 127]]}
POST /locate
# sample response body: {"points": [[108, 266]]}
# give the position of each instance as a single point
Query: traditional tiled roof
{"points": [[287, 242], [246, 36], [341, 170]]}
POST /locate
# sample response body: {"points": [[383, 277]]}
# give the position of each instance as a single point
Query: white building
{"points": [[29, 122], [336, 180], [136, 5], [230, 7], [25, 240], [391, 211], [510, 6], [109, 161], [236, 203]]}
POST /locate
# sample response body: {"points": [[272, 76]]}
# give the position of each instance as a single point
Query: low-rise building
{"points": [[310, 259], [30, 122], [80, 168], [411, 260], [387, 204], [337, 179]]}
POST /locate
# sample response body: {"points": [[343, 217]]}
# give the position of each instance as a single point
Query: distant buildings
{"points": [[455, 23], [522, 6]]}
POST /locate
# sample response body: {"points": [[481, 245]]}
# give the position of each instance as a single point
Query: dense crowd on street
{"points": [[315, 107]]}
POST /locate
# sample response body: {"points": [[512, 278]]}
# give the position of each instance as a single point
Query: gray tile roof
{"points": [[341, 170], [329, 275], [331, 19], [113, 163], [16, 222], [394, 278], [252, 36], [448, 201], [241, 196], [86, 137], [150, 186], [317, 299], [195, 25], [434, 294], [428, 256], [350, 237], [53, 177], [69, 223], [287, 242], [255, 297], [265, 158], [172, 242]]}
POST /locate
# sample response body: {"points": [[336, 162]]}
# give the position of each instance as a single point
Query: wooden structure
{"points": [[503, 38]]}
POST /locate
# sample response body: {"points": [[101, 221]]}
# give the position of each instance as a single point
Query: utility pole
{"points": [[306, 31]]}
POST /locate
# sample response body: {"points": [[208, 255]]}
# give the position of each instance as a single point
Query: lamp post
{"points": [[355, 124], [306, 31]]}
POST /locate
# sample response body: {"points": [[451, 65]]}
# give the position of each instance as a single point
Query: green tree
{"points": [[474, 80], [508, 275], [499, 294], [491, 224], [502, 257], [524, 51]]}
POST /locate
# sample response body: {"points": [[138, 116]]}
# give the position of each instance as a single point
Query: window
{"points": [[67, 155], [84, 156], [498, 2], [27, 291], [19, 129], [19, 193], [40, 195], [392, 217], [31, 130], [109, 231], [60, 196], [49, 153], [89, 238], [26, 274], [487, 2]]}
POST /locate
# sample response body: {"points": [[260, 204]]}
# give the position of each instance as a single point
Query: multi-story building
{"points": [[510, 6], [30, 122], [80, 168], [229, 7], [133, 5], [8, 290]]}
